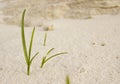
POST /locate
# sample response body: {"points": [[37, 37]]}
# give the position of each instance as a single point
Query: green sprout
{"points": [[27, 55], [67, 80], [45, 37], [45, 59]]}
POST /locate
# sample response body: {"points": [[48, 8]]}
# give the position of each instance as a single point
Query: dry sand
{"points": [[93, 46], [38, 10]]}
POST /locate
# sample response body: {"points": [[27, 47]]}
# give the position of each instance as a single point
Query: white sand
{"points": [[93, 46]]}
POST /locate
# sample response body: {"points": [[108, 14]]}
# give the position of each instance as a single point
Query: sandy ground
{"points": [[93, 57], [38, 10]]}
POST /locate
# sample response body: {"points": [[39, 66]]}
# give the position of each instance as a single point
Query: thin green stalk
{"points": [[23, 37], [31, 41], [55, 56], [28, 69], [67, 80], [50, 51], [43, 61], [45, 37], [33, 57]]}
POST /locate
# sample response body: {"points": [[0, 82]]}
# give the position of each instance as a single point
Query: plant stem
{"points": [[67, 79], [28, 69], [41, 66], [45, 37], [43, 61]]}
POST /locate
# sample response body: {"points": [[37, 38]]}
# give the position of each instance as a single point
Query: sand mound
{"points": [[39, 10]]}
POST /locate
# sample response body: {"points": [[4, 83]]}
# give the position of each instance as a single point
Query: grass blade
{"points": [[43, 61], [67, 80], [45, 37], [31, 41], [33, 57], [50, 51], [55, 56], [23, 37]]}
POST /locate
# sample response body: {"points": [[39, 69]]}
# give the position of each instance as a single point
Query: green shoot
{"points": [[45, 59], [27, 55], [45, 37], [67, 80]]}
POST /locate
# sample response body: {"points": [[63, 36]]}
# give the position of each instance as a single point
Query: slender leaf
{"points": [[31, 41], [33, 57], [43, 61], [23, 37], [45, 37], [67, 80], [55, 56], [50, 51]]}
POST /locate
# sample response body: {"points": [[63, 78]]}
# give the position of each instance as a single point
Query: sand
{"points": [[38, 10], [93, 48]]}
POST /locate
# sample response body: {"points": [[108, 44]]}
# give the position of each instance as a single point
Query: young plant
{"points": [[45, 59], [67, 80], [27, 55], [45, 37]]}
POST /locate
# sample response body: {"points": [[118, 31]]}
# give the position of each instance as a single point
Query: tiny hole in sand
{"points": [[117, 57], [103, 44], [1, 69], [82, 70], [93, 43]]}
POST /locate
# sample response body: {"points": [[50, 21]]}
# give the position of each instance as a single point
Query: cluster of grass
{"points": [[27, 54], [45, 59]]}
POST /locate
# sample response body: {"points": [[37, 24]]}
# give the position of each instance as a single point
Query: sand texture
{"points": [[93, 48], [39, 10]]}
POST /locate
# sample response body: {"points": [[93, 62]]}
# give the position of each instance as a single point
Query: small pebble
{"points": [[49, 28]]}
